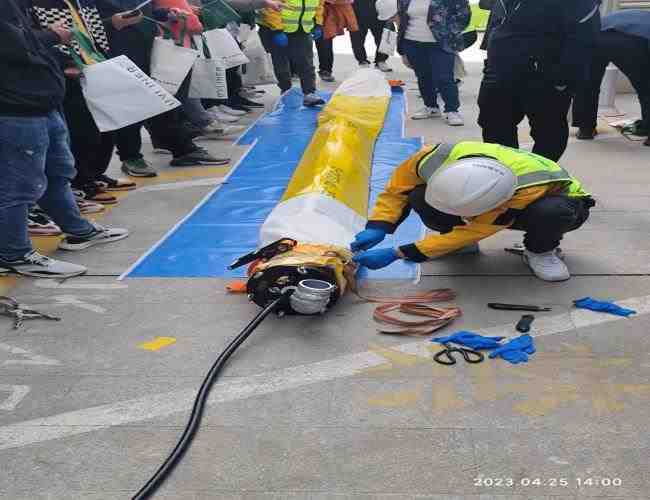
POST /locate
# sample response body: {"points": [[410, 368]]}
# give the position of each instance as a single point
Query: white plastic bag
{"points": [[170, 63], [208, 80], [118, 94], [388, 43], [259, 71], [225, 48]]}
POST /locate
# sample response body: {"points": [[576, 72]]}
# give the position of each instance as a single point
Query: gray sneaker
{"points": [[100, 236], [40, 266], [198, 157], [138, 168], [313, 100]]}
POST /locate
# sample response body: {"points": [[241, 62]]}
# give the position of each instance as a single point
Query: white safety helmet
{"points": [[470, 187], [386, 9]]}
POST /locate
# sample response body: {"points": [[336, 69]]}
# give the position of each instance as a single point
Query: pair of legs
{"points": [[434, 68], [298, 54], [631, 54], [325, 55], [502, 108], [92, 150], [36, 166], [367, 19], [545, 221]]}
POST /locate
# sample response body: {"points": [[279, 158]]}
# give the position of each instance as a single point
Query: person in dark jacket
{"points": [[538, 53], [368, 21], [625, 41], [36, 165]]}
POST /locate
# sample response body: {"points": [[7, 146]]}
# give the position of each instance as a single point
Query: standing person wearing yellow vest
{"points": [[471, 190], [288, 35]]}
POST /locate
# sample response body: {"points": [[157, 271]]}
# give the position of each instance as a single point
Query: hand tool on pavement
{"points": [[523, 325], [517, 307], [11, 308], [446, 356]]}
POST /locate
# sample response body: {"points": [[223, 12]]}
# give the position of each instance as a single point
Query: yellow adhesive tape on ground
{"points": [[338, 160]]}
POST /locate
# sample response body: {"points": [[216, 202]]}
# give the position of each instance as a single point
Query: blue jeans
{"points": [[36, 166], [434, 68]]}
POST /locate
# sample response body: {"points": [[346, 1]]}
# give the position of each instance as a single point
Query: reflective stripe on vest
{"points": [[530, 169], [296, 13]]}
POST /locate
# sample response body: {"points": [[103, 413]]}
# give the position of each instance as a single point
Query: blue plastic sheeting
{"points": [[226, 224]]}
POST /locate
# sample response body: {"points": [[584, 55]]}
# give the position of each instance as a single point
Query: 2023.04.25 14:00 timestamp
{"points": [[550, 482]]}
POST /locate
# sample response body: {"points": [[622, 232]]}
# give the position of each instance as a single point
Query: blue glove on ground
{"points": [[516, 351], [367, 239], [471, 340], [602, 306], [376, 259], [317, 33], [281, 39]]}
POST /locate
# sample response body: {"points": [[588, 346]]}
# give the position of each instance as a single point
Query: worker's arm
{"points": [[580, 26], [392, 203], [475, 230]]}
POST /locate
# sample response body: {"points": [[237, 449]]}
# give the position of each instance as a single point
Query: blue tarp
{"points": [[227, 223]]}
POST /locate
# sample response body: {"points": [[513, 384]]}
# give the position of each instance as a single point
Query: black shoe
{"points": [[198, 157], [243, 101], [637, 128], [326, 76], [586, 134]]}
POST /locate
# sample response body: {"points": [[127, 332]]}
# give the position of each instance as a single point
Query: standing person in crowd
{"points": [[288, 35], [430, 36], [133, 36], [538, 54], [367, 19], [338, 16], [92, 149], [625, 41], [36, 164]]}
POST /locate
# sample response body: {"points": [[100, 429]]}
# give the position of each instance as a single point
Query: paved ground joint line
{"points": [[166, 404]]}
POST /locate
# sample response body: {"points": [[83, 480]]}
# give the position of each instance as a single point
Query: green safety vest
{"points": [[529, 168], [296, 13]]}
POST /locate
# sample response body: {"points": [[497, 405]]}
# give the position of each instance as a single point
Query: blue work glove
{"points": [[367, 239], [376, 259], [471, 340], [281, 39], [602, 306], [317, 33], [516, 351]]}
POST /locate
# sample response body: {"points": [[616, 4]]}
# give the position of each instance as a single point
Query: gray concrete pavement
{"points": [[326, 409]]}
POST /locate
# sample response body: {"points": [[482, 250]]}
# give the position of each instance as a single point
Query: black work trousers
{"points": [[367, 19], [503, 107], [631, 54], [545, 221], [325, 50], [299, 55], [92, 149]]}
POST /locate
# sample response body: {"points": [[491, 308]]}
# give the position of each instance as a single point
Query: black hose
{"points": [[199, 403]]}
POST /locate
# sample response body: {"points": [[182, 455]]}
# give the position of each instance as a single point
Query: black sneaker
{"points": [[100, 236], [243, 101], [198, 157], [326, 76], [40, 266], [586, 134], [636, 128]]}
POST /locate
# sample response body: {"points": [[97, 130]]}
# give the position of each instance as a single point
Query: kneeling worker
{"points": [[469, 191]]}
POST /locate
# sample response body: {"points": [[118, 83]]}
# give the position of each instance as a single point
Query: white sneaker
{"points": [[455, 120], [217, 130], [383, 67], [425, 113], [101, 235], [223, 117], [547, 266], [230, 111], [40, 266]]}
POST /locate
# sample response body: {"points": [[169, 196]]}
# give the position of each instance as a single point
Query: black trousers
{"points": [[92, 150], [166, 129], [631, 54], [367, 19], [325, 55], [299, 55], [502, 108], [544, 221]]}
